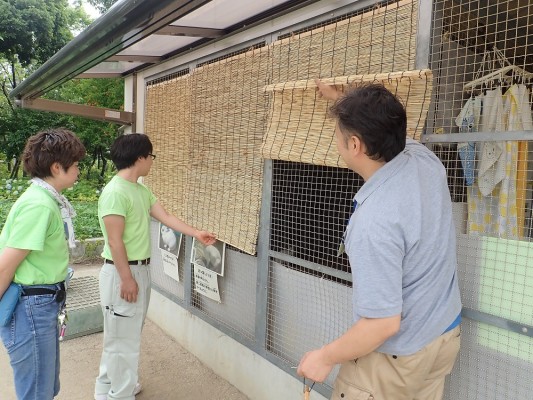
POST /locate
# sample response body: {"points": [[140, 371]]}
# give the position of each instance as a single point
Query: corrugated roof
{"points": [[135, 34]]}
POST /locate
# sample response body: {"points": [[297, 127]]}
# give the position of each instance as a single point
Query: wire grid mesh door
{"points": [[482, 62]]}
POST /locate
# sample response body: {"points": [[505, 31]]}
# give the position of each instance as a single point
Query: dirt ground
{"points": [[167, 371]]}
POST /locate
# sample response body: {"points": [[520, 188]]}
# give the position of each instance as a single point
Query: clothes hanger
{"points": [[500, 75]]}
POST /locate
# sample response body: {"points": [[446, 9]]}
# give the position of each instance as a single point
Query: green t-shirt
{"points": [[132, 201], [34, 223]]}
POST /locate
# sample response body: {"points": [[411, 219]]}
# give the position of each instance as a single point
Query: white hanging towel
{"points": [[491, 168], [496, 214]]}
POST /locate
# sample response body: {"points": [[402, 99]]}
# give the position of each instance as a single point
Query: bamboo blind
{"points": [[380, 40], [228, 117], [167, 123], [300, 129]]}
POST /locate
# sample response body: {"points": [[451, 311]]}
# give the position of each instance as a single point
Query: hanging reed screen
{"points": [[167, 123], [228, 113], [375, 40]]}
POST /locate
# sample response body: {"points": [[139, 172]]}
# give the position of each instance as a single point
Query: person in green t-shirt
{"points": [[124, 211], [34, 254]]}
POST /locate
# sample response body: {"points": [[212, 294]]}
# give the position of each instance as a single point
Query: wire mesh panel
{"points": [[481, 59], [309, 297], [310, 208], [496, 279], [484, 373], [305, 312], [237, 290], [478, 46]]}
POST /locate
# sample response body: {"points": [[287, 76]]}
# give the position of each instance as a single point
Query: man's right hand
{"points": [[329, 92], [129, 290]]}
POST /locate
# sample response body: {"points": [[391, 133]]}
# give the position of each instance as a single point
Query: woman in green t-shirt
{"points": [[34, 253]]}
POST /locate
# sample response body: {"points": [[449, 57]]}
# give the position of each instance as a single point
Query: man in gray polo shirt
{"points": [[400, 241]]}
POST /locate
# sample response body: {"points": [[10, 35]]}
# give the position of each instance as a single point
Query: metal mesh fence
{"points": [[480, 126], [310, 208], [237, 294]]}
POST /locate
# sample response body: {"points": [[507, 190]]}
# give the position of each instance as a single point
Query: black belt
{"points": [[38, 291], [131, 262]]}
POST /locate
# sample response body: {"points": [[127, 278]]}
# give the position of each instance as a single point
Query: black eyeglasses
{"points": [[152, 155]]}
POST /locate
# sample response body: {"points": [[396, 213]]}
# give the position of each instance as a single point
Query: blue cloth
{"points": [[467, 154], [9, 302], [466, 121], [31, 340], [455, 323]]}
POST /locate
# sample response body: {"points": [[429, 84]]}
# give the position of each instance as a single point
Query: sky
{"points": [[93, 13], [91, 10]]}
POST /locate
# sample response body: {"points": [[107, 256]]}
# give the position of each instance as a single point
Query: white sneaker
{"points": [[136, 391]]}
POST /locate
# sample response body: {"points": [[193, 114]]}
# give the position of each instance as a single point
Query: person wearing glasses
{"points": [[401, 244], [124, 210], [34, 253]]}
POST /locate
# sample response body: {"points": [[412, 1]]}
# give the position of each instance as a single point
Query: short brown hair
{"points": [[50, 146]]}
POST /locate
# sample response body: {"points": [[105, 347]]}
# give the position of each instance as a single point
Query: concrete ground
{"points": [[167, 371]]}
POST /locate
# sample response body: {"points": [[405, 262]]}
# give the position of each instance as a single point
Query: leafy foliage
{"points": [[85, 224], [19, 124], [83, 196], [34, 30]]}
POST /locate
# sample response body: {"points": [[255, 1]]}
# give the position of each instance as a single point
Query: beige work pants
{"points": [[123, 323], [379, 376]]}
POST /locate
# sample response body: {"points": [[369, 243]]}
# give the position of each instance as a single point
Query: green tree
{"points": [[21, 124], [97, 136], [32, 31]]}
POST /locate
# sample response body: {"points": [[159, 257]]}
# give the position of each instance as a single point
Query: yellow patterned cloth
{"points": [[492, 201]]}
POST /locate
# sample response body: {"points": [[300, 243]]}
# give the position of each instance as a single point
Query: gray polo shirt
{"points": [[401, 244]]}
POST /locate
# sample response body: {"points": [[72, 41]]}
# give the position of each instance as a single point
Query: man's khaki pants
{"points": [[379, 376], [123, 323]]}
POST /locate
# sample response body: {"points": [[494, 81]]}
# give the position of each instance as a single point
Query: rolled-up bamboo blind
{"points": [[376, 41], [300, 129]]}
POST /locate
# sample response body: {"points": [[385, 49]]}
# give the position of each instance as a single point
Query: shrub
{"points": [[83, 195]]}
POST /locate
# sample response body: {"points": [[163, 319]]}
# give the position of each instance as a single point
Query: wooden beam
{"points": [[134, 58], [88, 75], [80, 110], [191, 31]]}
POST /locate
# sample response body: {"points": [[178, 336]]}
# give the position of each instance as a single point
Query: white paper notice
{"points": [[206, 282], [170, 265]]}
